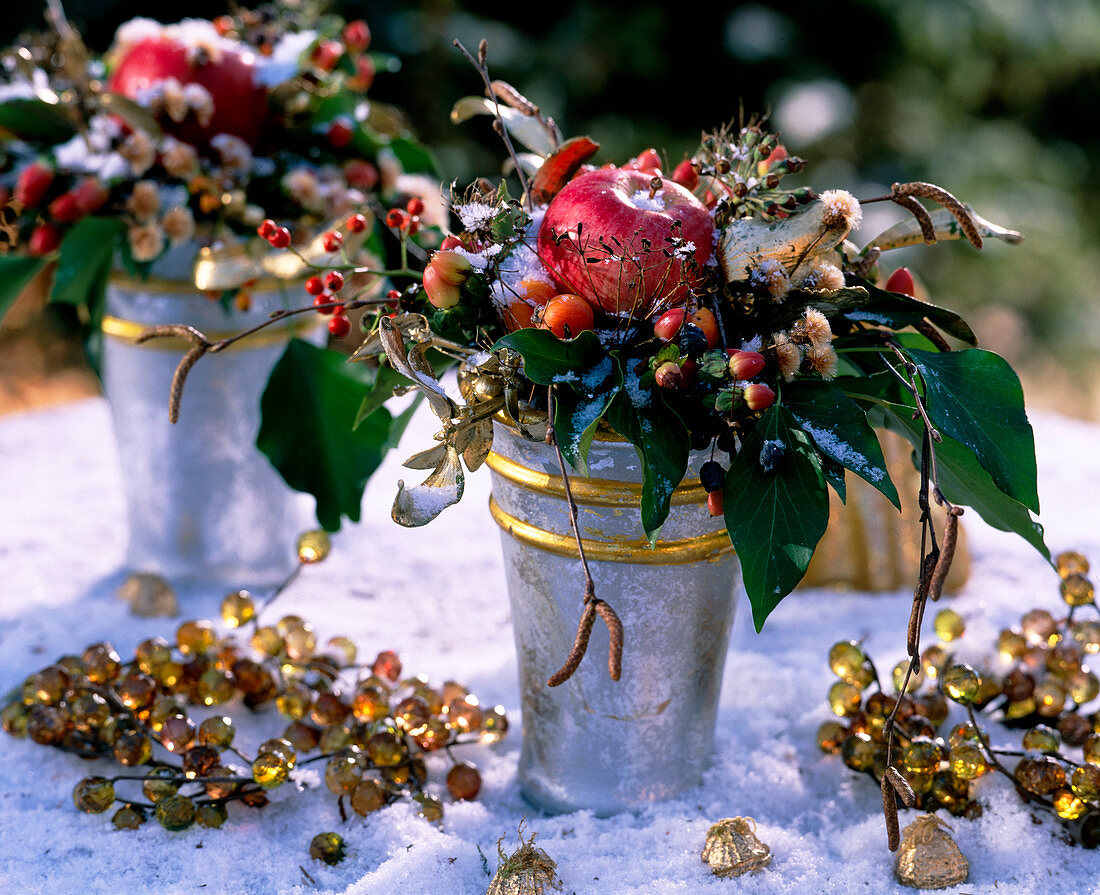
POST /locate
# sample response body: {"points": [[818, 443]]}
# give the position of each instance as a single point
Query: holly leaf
{"points": [[306, 430], [839, 428], [965, 482], [775, 518], [16, 271], [549, 360], [641, 416], [975, 397], [84, 262]]}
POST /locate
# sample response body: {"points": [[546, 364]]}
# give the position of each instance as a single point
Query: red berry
{"points": [[364, 75], [412, 225], [327, 53], [357, 223], [451, 242], [669, 375], [746, 364], [324, 299], [34, 180], [339, 326], [360, 174], [758, 396], [393, 295], [90, 195], [415, 205], [314, 286], [566, 316], [223, 25], [340, 133], [267, 228], [686, 175], [280, 239], [44, 239], [441, 294], [395, 218], [901, 280], [332, 241], [357, 35], [65, 209], [334, 280], [387, 665], [648, 162], [714, 503], [669, 323]]}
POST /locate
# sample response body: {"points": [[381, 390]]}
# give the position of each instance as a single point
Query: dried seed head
{"points": [[823, 360], [841, 210], [771, 275], [788, 355], [824, 276]]}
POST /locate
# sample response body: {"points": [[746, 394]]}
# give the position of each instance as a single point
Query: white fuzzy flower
{"points": [[233, 151]]}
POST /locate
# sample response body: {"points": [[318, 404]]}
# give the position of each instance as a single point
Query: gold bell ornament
{"points": [[928, 857], [527, 871], [733, 849]]}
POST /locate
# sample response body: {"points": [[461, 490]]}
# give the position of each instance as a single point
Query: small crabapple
{"points": [[441, 294], [745, 364], [339, 326], [332, 241], [452, 267], [566, 316], [758, 396], [669, 375], [334, 280], [357, 35]]}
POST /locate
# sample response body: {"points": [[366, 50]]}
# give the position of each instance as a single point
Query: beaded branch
{"points": [[372, 728]]}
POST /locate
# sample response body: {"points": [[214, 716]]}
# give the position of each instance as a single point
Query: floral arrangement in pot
{"points": [[667, 365], [138, 180]]}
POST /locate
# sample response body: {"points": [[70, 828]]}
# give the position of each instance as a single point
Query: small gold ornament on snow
{"points": [[928, 857], [149, 596], [733, 849], [313, 546], [527, 871]]}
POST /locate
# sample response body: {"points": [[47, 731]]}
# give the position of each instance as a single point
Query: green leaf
{"points": [[415, 158], [401, 422], [975, 397], [385, 378], [775, 520], [34, 120], [840, 430], [659, 436], [549, 360], [16, 271], [834, 475], [307, 409], [965, 482], [578, 410], [863, 302], [85, 261]]}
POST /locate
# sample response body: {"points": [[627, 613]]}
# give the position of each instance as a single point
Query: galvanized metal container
{"points": [[203, 503], [594, 743]]}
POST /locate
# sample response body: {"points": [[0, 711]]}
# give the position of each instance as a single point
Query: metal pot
{"points": [[594, 743], [203, 503]]}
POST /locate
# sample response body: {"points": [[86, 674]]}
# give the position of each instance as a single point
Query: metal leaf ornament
{"points": [[733, 849], [443, 488]]}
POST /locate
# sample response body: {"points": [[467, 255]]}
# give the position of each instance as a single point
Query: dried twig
{"points": [[927, 228], [580, 646], [944, 198], [947, 553]]}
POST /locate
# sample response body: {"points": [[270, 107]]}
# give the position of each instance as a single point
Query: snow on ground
{"points": [[437, 596]]}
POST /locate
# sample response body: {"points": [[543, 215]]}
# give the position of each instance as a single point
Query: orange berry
{"points": [[567, 315]]}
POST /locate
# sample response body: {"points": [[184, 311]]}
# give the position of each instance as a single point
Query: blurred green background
{"points": [[995, 100]]}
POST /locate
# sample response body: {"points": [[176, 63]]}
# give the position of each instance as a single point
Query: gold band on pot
{"points": [[129, 330], [590, 492], [705, 548]]}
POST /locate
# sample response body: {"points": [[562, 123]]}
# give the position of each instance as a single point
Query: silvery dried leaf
{"points": [[528, 130], [429, 459], [908, 232], [394, 344], [420, 505], [792, 241], [477, 443]]}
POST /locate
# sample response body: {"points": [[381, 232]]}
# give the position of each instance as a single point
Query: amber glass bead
{"points": [[1070, 562], [429, 807], [300, 642], [195, 637], [211, 814], [411, 714], [215, 687], [198, 761], [1040, 775], [133, 748], [1018, 685], [464, 713], [1050, 697], [435, 735], [279, 746], [137, 691], [1064, 660], [830, 735], [270, 770], [163, 709], [1039, 627], [369, 704], [101, 663], [159, 783], [238, 608], [267, 641], [328, 708], [921, 756], [301, 736], [177, 733], [1092, 750], [47, 686], [327, 847], [14, 719], [844, 699], [916, 679], [1067, 805], [1086, 634], [89, 712], [1077, 590], [151, 653], [385, 749], [1083, 685], [387, 665], [343, 773], [176, 812], [948, 625], [295, 701], [933, 661], [313, 546], [217, 731], [1074, 729], [1011, 645], [333, 737], [1085, 782], [464, 782], [1041, 739], [343, 649], [47, 724], [94, 794], [368, 796], [858, 751], [494, 724], [968, 761], [128, 818], [934, 707], [961, 683], [846, 658]]}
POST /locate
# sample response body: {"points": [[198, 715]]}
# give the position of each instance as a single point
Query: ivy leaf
{"points": [[578, 410], [840, 430], [33, 120], [640, 415], [776, 519], [16, 271], [84, 262], [975, 397], [307, 410], [965, 482], [549, 360]]}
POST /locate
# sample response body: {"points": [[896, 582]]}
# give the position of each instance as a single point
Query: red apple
{"points": [[240, 104], [616, 204]]}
